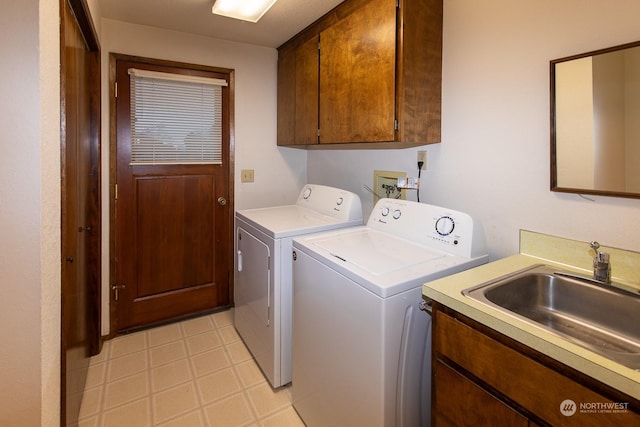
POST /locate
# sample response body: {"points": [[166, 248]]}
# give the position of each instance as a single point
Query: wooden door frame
{"points": [[113, 143]]}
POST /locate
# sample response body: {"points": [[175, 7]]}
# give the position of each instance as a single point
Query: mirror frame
{"points": [[554, 177]]}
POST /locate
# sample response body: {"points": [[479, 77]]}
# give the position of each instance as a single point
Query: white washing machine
{"points": [[262, 290], [361, 343]]}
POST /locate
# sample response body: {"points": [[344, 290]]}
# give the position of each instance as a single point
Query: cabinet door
{"points": [[357, 76], [512, 375], [286, 95], [459, 402], [306, 97]]}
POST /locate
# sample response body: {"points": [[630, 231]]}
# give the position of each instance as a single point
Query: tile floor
{"points": [[194, 373]]}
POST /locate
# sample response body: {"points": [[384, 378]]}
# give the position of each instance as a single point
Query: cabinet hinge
{"points": [[115, 89], [396, 126], [115, 191]]}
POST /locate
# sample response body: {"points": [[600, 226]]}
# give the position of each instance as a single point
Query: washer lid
{"points": [[377, 253], [291, 220], [380, 262]]}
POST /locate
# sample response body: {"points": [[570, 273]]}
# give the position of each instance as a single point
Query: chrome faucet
{"points": [[601, 265]]}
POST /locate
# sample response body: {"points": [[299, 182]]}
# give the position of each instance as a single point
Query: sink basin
{"points": [[601, 318]]}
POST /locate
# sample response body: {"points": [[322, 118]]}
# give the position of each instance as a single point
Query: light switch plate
{"points": [[246, 175]]}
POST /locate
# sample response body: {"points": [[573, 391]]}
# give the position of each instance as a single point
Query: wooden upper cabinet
{"points": [[286, 95], [357, 76], [306, 92], [367, 74], [298, 93]]}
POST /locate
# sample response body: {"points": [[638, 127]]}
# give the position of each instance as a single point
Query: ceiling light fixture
{"points": [[245, 10]]}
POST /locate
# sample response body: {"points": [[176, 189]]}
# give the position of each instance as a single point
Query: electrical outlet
{"points": [[422, 157], [385, 184]]}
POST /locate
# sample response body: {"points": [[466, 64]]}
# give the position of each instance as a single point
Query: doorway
{"points": [[171, 219]]}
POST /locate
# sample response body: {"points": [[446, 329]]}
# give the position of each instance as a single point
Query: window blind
{"points": [[175, 119]]}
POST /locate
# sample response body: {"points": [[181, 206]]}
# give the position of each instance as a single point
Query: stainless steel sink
{"points": [[598, 317]]}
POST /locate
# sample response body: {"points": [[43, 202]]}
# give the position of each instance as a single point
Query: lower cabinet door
{"points": [[459, 402]]}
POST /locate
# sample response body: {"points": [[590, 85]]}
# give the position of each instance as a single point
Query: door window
{"points": [[175, 119]]}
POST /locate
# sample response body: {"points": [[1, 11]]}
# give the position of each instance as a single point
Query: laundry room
{"points": [[493, 160]]}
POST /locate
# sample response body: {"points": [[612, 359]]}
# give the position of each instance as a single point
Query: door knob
{"points": [[222, 201]]}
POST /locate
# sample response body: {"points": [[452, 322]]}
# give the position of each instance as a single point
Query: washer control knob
{"points": [[445, 225], [385, 211], [307, 193], [339, 201], [397, 214]]}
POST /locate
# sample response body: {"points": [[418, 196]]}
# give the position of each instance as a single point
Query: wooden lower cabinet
{"points": [[483, 378], [461, 402]]}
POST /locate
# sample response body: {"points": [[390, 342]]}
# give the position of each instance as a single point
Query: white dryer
{"points": [[361, 343], [262, 289]]}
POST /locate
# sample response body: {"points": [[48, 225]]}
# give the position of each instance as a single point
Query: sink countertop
{"points": [[448, 291]]}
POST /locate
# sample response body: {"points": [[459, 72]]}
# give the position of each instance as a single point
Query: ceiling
{"points": [[285, 18]]}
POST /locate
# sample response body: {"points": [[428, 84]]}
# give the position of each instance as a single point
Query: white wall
{"points": [[493, 161], [30, 214], [280, 173]]}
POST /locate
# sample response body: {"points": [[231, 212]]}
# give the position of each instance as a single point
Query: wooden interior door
{"points": [[80, 203], [173, 222]]}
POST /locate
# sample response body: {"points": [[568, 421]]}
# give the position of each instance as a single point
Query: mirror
{"points": [[595, 122]]}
